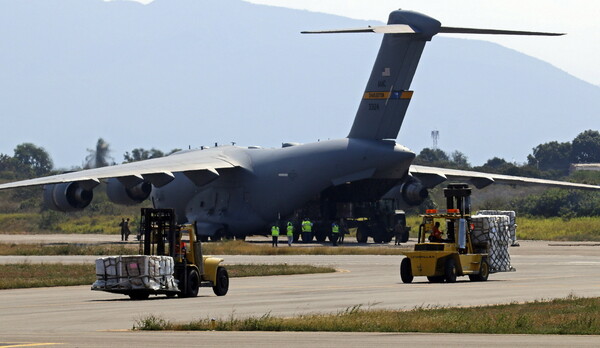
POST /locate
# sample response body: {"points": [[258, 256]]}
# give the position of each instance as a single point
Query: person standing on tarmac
{"points": [[306, 229], [335, 233], [274, 234], [122, 225], [290, 232]]}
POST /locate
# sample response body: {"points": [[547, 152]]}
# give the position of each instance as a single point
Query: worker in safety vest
{"points": [[275, 234], [335, 233], [306, 225], [290, 232]]}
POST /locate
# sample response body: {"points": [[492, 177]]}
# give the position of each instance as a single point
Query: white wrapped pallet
{"points": [[512, 221], [135, 272], [492, 231]]}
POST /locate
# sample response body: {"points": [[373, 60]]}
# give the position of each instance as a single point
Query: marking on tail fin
{"points": [[388, 95]]}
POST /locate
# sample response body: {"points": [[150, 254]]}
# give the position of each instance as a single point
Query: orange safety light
{"points": [[431, 211], [456, 211]]}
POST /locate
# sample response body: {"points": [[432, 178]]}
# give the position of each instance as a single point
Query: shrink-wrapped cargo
{"points": [[491, 235], [512, 222], [135, 272]]}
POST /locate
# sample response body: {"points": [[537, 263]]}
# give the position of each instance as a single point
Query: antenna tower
{"points": [[435, 135]]}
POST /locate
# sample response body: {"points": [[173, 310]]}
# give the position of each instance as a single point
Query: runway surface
{"points": [[76, 316]]}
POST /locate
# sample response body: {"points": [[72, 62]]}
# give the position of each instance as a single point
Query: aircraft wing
{"points": [[198, 165], [432, 176]]}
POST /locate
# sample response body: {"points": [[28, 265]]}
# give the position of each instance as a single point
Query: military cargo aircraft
{"points": [[237, 191]]}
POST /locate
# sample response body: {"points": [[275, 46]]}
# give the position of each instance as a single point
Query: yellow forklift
{"points": [[442, 259], [161, 236]]}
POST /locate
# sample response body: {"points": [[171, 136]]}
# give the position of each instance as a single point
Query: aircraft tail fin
{"points": [[387, 95]]}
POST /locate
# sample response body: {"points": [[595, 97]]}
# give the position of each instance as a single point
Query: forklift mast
{"points": [[159, 232], [458, 196]]}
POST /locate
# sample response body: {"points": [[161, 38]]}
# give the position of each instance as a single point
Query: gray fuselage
{"points": [[272, 183]]}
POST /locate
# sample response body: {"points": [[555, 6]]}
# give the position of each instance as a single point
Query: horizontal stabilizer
{"points": [[381, 29], [452, 30], [407, 29]]}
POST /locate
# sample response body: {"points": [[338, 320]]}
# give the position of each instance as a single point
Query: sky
{"points": [[577, 53]]}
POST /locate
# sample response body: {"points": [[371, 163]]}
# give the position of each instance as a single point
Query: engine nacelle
{"points": [[119, 194], [66, 197], [413, 192]]}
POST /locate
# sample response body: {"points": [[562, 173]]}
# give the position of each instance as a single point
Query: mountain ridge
{"points": [[182, 73]]}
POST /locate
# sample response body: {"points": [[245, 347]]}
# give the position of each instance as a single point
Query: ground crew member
{"points": [[124, 229], [290, 232], [335, 233], [306, 229], [274, 234]]}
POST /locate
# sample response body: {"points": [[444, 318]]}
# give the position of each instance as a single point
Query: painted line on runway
{"points": [[15, 344]]}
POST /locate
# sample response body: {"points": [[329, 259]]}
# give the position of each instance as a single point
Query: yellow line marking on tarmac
{"points": [[28, 345]]}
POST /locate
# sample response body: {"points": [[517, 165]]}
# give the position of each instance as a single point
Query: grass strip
{"points": [[67, 249], [253, 270], [212, 248], [572, 316], [28, 275], [234, 247]]}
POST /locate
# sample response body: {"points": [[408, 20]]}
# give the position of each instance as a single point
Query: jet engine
{"points": [[120, 194], [66, 197], [413, 192]]}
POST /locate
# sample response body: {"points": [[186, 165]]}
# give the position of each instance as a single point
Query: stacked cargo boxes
{"points": [[135, 272], [492, 234]]}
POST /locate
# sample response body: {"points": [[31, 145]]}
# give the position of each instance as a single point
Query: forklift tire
{"points": [[435, 279], [192, 285], [222, 285], [406, 271], [139, 295], [450, 270], [484, 272]]}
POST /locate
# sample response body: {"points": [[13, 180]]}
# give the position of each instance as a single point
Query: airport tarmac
{"points": [[76, 316]]}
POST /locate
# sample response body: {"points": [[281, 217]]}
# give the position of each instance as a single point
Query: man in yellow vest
{"points": [[335, 233], [290, 232], [306, 230], [275, 234]]}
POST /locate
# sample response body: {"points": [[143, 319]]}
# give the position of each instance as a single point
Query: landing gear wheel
{"points": [[406, 271], [435, 279], [450, 270], [321, 237], [242, 238], [139, 295], [362, 234], [307, 237], [222, 285], [484, 273], [192, 285]]}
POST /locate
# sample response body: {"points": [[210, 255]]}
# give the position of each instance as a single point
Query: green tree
{"points": [[551, 156], [432, 157], [100, 156], [586, 147], [141, 154], [33, 159], [459, 160]]}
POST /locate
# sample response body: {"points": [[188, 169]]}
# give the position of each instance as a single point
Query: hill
{"points": [[179, 73]]}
